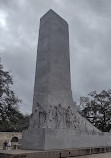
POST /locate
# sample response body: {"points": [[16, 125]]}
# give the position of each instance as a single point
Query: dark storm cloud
{"points": [[90, 44]]}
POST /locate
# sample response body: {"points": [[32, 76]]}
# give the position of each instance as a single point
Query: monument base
{"points": [[51, 139]]}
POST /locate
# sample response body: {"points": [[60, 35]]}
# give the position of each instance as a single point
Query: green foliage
{"points": [[97, 109], [12, 120], [10, 117]]}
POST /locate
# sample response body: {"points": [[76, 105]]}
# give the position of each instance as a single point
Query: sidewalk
{"points": [[15, 152], [103, 155]]}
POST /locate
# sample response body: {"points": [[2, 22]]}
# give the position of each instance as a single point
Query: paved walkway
{"points": [[17, 151], [103, 155]]}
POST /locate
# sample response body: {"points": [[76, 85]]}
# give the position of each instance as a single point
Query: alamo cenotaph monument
{"points": [[55, 122]]}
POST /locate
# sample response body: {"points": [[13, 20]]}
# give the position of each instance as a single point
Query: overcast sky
{"points": [[90, 43]]}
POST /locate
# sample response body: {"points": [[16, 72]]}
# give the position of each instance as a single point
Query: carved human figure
{"points": [[49, 119], [39, 117], [55, 116], [42, 117], [68, 113], [60, 116], [37, 114]]}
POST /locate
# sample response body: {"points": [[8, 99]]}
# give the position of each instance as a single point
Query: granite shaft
{"points": [[52, 78]]}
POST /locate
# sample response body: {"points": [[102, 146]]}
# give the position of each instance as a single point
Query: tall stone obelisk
{"points": [[54, 122], [52, 78]]}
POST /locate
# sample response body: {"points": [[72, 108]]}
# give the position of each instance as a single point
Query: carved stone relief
{"points": [[58, 117]]}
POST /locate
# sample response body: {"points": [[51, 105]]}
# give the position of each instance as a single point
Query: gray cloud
{"points": [[90, 44]]}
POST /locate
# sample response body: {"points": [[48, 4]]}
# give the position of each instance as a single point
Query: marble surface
{"points": [[55, 122]]}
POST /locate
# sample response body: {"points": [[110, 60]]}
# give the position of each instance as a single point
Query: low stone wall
{"points": [[8, 136]]}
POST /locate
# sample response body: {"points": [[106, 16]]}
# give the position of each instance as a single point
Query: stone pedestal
{"points": [[49, 139]]}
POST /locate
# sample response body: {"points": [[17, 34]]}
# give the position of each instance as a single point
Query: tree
{"points": [[97, 109], [10, 117]]}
